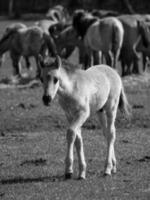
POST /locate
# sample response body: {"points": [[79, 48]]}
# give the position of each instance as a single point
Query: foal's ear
{"points": [[41, 60], [58, 62]]}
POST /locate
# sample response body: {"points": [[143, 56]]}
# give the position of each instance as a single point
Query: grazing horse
{"points": [[133, 32], [105, 35], [65, 38], [45, 24], [145, 50], [8, 29], [98, 89], [26, 42], [58, 13]]}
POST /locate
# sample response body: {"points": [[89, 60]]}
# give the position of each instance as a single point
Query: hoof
{"points": [[68, 175], [80, 178], [114, 170], [15, 79], [106, 175]]}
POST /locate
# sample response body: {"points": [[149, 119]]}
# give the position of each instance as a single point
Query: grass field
{"points": [[33, 146]]}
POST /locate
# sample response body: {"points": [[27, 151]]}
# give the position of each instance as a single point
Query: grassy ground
{"points": [[33, 146]]}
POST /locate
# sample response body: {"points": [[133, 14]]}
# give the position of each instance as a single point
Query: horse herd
{"points": [[99, 38], [99, 88]]}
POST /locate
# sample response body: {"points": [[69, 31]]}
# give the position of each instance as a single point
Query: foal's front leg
{"points": [[74, 137], [81, 157]]}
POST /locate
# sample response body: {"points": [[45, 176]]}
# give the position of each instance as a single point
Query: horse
{"points": [[98, 89], [134, 30], [8, 29], [66, 39], [26, 42], [58, 13], [45, 24], [105, 35], [104, 13], [145, 50]]}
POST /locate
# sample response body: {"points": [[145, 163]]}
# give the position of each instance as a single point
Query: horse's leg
{"points": [[38, 71], [16, 65], [80, 152], [2, 59], [116, 54], [111, 137], [74, 137], [123, 65], [145, 61], [87, 60], [136, 65], [96, 57], [28, 65], [109, 58]]}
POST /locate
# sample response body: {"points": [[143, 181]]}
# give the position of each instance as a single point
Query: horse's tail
{"points": [[144, 31], [124, 104], [117, 36], [50, 44]]}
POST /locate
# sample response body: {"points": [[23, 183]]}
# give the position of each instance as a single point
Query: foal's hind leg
{"points": [[111, 137], [111, 159], [107, 120], [80, 152]]}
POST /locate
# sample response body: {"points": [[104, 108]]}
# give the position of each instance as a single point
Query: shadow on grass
{"points": [[21, 180], [21, 83]]}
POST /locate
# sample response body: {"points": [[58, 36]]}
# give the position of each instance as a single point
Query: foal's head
{"points": [[50, 77]]}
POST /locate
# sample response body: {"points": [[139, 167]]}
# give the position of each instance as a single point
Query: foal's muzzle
{"points": [[46, 100]]}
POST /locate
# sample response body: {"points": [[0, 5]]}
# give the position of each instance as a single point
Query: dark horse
{"points": [[26, 42], [135, 30]]}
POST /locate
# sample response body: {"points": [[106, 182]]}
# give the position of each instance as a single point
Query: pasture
{"points": [[33, 146]]}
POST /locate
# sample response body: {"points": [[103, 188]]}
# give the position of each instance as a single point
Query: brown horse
{"points": [[8, 29], [145, 50], [66, 40], [26, 42], [134, 30]]}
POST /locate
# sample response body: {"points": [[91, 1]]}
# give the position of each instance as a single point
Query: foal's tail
{"points": [[124, 104]]}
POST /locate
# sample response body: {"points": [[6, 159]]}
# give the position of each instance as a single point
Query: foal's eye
{"points": [[55, 80]]}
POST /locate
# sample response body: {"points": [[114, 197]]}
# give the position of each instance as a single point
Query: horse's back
{"points": [[30, 40], [110, 74], [45, 24], [131, 35], [101, 34]]}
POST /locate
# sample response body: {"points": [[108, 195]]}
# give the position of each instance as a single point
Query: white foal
{"points": [[98, 89]]}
